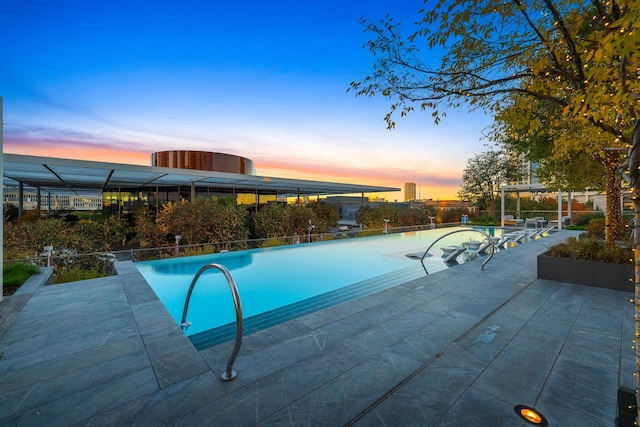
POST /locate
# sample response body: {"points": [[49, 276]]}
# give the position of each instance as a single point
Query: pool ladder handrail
{"points": [[493, 246], [229, 374]]}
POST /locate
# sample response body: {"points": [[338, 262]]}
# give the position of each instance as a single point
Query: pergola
{"points": [[532, 188]]}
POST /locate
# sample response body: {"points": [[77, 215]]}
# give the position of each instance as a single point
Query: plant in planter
{"points": [[588, 261], [15, 274], [592, 249]]}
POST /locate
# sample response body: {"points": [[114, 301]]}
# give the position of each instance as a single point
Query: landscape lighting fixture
{"points": [[531, 415]]}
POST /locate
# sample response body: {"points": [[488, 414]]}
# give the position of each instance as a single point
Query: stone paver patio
{"points": [[459, 347]]}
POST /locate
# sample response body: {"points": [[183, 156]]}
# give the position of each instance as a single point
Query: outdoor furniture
{"points": [[566, 220], [448, 250], [514, 222], [535, 222], [450, 258], [473, 245]]}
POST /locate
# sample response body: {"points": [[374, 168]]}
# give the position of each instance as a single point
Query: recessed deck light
{"points": [[531, 415]]}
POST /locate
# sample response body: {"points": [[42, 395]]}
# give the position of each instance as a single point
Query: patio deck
{"points": [[459, 347]]}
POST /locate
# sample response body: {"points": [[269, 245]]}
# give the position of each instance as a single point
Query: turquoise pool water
{"points": [[268, 279]]}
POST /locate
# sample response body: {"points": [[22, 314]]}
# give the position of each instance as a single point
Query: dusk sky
{"points": [[117, 80]]}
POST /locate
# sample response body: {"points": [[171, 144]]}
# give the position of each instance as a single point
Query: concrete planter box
{"points": [[589, 273]]}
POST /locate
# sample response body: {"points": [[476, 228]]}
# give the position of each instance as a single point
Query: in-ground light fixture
{"points": [[531, 415]]}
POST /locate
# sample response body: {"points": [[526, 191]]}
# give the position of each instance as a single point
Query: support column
{"points": [[559, 209], [502, 207], [517, 204], [193, 192], [49, 203], [20, 199], [569, 213], [38, 195]]}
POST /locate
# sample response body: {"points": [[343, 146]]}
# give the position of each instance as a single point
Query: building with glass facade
{"points": [[123, 187]]}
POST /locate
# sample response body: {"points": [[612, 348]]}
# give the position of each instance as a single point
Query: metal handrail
{"points": [[229, 374], [493, 246]]}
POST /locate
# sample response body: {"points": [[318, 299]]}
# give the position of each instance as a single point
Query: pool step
{"points": [[215, 336]]}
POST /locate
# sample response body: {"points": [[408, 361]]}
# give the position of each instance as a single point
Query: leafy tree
{"points": [[105, 232], [148, 233], [271, 221], [326, 215], [451, 215], [205, 220], [373, 217], [570, 155], [28, 238], [413, 216], [579, 56], [302, 217], [482, 178]]}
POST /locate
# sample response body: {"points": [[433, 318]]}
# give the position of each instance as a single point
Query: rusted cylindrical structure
{"points": [[203, 160]]}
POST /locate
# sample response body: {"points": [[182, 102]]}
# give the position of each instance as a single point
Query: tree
{"points": [[482, 178], [326, 215], [374, 217], [570, 156], [579, 56], [205, 220]]}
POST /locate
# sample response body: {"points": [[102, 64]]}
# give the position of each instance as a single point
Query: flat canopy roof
{"points": [[88, 178]]}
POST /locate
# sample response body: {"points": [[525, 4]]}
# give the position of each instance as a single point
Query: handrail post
{"points": [[229, 373]]}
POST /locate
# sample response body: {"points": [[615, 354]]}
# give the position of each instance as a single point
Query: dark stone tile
{"points": [[427, 397], [40, 365], [170, 404], [521, 369], [478, 409], [582, 386], [39, 391], [85, 404]]}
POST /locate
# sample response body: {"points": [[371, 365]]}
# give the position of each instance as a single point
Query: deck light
{"points": [[531, 415]]}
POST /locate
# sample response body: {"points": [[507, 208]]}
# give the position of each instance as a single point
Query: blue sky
{"points": [[118, 80]]}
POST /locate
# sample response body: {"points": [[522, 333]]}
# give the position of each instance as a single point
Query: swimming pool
{"points": [[271, 278]]}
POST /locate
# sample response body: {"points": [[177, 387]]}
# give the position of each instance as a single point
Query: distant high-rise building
{"points": [[409, 191], [528, 169]]}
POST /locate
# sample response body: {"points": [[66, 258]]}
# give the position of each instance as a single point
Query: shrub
{"points": [[586, 219], [592, 249], [70, 266], [595, 227], [78, 273], [15, 274], [197, 250]]}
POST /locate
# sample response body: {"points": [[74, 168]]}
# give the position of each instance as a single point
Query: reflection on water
{"points": [[188, 265]]}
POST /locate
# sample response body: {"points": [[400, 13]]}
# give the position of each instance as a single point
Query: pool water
{"points": [[268, 279]]}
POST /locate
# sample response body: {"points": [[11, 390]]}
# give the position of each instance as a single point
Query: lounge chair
{"points": [[417, 255], [513, 222], [536, 222], [525, 233], [566, 220], [484, 247], [472, 245], [545, 231], [450, 259]]}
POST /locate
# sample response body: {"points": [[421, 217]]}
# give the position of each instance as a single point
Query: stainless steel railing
{"points": [[229, 373], [466, 230]]}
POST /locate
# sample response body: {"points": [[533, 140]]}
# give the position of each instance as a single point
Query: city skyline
{"points": [[115, 82]]}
